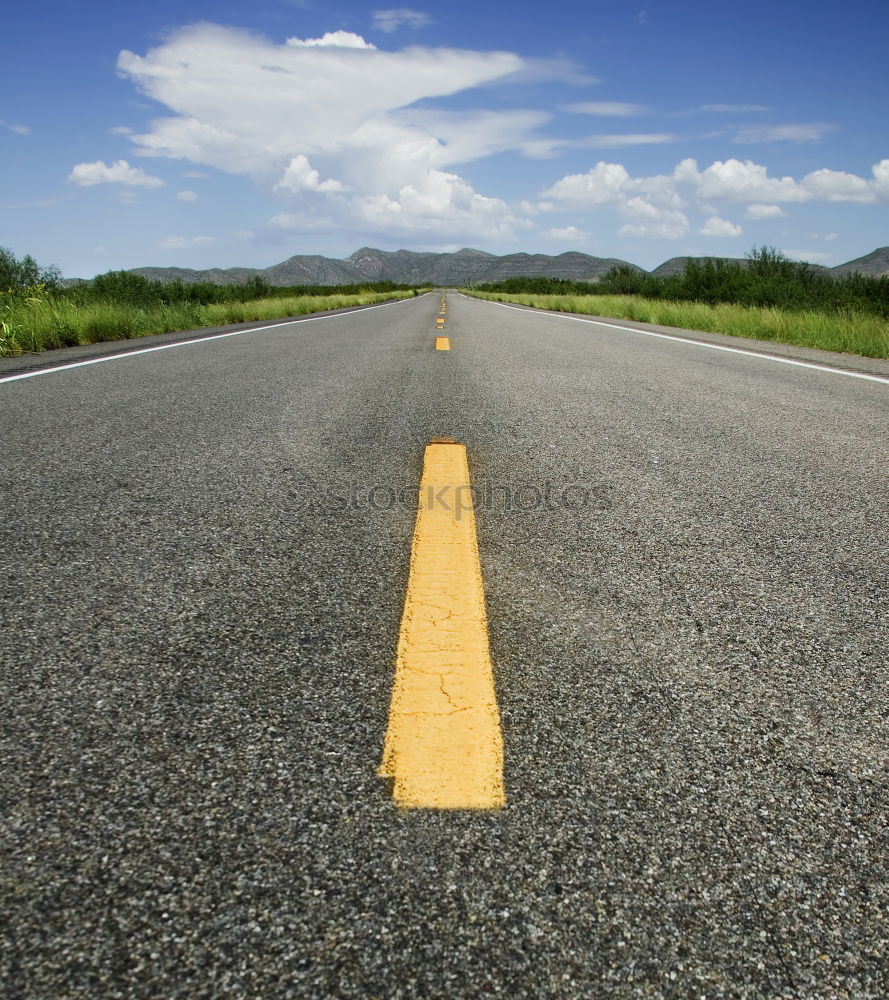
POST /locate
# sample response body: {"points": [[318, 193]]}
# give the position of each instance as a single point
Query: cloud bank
{"points": [[349, 135], [288, 114], [655, 205], [88, 174]]}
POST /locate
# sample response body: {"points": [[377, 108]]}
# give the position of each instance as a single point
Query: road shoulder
{"points": [[36, 361], [832, 359]]}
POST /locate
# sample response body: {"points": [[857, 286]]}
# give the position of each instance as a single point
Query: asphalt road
{"points": [[203, 559]]}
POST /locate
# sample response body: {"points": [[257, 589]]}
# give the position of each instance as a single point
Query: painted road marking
{"points": [[196, 340], [442, 344], [698, 343], [444, 746]]}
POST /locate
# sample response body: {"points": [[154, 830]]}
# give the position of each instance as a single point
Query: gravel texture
{"points": [[198, 639]]}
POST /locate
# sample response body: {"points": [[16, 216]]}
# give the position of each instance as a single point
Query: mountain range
{"points": [[464, 267]]}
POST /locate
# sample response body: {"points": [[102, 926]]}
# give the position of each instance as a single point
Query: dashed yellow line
{"points": [[441, 343], [444, 747]]}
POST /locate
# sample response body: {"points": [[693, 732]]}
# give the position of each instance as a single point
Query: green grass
{"points": [[846, 331], [36, 321]]}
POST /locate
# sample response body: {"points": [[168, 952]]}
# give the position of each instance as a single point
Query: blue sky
{"points": [[197, 134]]}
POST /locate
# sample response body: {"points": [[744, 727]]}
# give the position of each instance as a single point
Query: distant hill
{"points": [[230, 276], [464, 267], [401, 266], [875, 263]]}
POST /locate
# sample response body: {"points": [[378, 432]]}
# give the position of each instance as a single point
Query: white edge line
{"points": [[197, 340], [696, 343]]}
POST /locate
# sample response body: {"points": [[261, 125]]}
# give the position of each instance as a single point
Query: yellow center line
{"points": [[442, 344], [444, 747]]}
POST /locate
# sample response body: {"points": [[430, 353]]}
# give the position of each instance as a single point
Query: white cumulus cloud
{"points": [[301, 176], [650, 221], [611, 184], [835, 185], [344, 131], [881, 180], [656, 205], [440, 199], [88, 174], [602, 185], [332, 115], [332, 40], [187, 196], [736, 180], [729, 180], [570, 234], [759, 211], [721, 228]]}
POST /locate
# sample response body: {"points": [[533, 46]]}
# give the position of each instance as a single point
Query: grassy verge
{"points": [[32, 321], [848, 331]]}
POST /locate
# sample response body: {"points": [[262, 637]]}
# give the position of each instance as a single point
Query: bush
{"points": [[17, 275], [765, 279], [138, 291]]}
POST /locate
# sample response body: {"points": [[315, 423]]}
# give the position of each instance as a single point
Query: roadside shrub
{"points": [[765, 278]]}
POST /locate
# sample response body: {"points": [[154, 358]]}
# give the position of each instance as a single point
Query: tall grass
{"points": [[849, 331], [34, 320]]}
